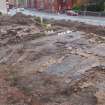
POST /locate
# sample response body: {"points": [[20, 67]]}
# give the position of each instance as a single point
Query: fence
{"points": [[90, 13]]}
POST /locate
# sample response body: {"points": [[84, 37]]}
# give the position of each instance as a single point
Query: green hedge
{"points": [[76, 8]]}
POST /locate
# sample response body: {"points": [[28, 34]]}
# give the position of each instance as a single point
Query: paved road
{"points": [[85, 19]]}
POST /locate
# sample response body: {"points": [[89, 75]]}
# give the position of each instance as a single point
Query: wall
{"points": [[3, 7], [80, 2], [69, 4]]}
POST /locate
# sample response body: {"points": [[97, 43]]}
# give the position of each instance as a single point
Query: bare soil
{"points": [[100, 30], [63, 64]]}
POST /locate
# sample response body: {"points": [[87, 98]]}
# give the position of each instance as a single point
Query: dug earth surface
{"points": [[60, 67]]}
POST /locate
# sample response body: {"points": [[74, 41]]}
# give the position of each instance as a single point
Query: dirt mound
{"points": [[18, 28], [19, 18], [18, 34], [82, 27], [22, 19]]}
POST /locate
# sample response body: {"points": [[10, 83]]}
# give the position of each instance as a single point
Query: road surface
{"points": [[86, 19]]}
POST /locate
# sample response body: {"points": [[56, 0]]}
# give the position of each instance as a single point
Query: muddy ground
{"points": [[62, 63]]}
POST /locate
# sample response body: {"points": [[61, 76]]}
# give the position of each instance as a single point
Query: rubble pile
{"points": [[22, 19], [19, 18], [18, 28]]}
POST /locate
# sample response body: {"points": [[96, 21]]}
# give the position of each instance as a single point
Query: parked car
{"points": [[72, 13], [20, 9], [62, 12]]}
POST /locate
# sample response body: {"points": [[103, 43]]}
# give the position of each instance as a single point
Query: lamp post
{"points": [[85, 9]]}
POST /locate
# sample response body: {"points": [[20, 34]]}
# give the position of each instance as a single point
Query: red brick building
{"points": [[46, 5], [53, 5]]}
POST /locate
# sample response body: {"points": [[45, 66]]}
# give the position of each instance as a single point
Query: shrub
{"points": [[76, 8], [38, 19], [0, 13]]}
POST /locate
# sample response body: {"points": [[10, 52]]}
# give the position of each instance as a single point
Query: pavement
{"points": [[100, 21]]}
